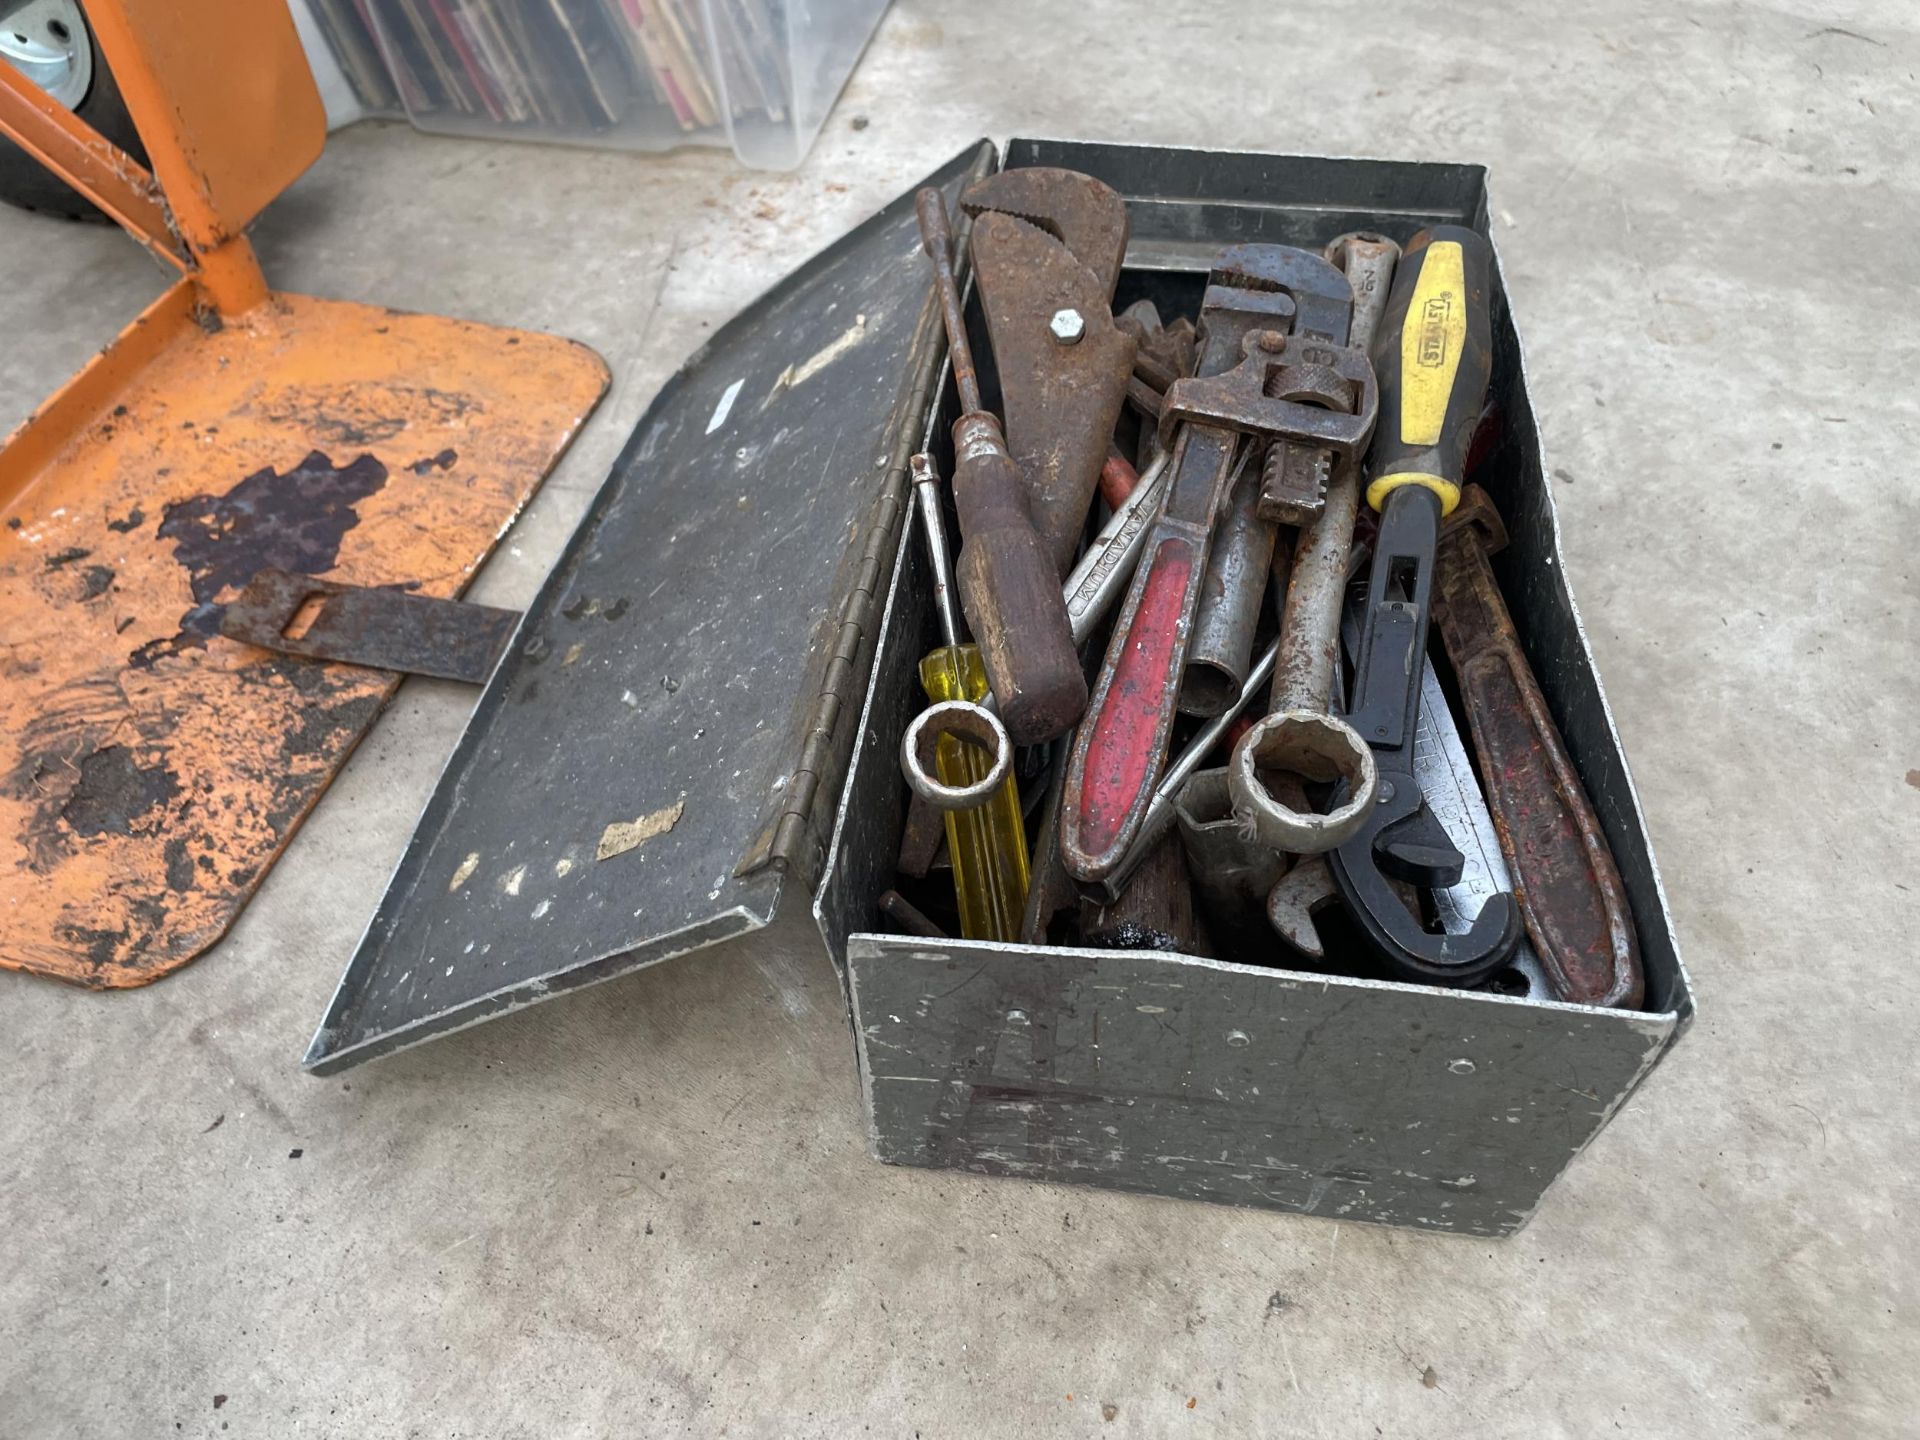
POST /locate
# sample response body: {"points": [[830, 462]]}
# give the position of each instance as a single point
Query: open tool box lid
{"points": [[655, 763], [693, 736]]}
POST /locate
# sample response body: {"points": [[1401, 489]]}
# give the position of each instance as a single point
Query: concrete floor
{"points": [[648, 1209]]}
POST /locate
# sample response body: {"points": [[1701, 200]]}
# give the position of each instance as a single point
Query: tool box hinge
{"points": [[796, 834]]}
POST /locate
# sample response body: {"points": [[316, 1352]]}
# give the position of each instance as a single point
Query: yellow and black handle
{"points": [[1433, 355]]}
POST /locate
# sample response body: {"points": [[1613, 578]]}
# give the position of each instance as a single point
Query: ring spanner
{"points": [[1299, 738]]}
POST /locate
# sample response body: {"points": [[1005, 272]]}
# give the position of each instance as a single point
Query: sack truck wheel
{"points": [[50, 42]]}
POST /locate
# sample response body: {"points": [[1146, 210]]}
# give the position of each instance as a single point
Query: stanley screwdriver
{"points": [[964, 745], [1434, 355]]}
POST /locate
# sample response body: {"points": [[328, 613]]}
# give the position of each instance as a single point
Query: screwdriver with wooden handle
{"points": [[986, 842], [1009, 586]]}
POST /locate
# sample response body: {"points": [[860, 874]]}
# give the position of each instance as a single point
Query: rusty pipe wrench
{"points": [[1299, 737], [1434, 351], [1089, 595], [1047, 247], [1121, 747], [1318, 367]]}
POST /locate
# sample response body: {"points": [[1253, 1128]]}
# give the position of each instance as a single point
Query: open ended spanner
{"points": [[1252, 375]]}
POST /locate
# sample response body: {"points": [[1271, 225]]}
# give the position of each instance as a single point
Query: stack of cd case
{"points": [[759, 75]]}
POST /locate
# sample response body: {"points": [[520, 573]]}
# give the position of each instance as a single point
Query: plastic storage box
{"points": [[759, 75]]}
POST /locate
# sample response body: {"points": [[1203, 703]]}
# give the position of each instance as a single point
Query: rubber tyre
{"points": [[26, 183]]}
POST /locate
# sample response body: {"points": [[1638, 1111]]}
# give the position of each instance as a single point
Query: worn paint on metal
{"points": [[722, 630], [1350, 1099], [151, 769]]}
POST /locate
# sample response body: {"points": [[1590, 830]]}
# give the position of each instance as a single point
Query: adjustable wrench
{"points": [[1246, 313]]}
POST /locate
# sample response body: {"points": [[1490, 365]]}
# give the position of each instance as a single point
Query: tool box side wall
{"points": [[1170, 1075], [1546, 617]]}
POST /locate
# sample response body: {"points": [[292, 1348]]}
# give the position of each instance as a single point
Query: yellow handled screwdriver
{"points": [[1434, 356], [971, 753]]}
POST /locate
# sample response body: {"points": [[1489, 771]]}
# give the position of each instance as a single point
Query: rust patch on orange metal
{"points": [[151, 770], [270, 521]]}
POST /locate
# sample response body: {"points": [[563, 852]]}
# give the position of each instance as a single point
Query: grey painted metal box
{"points": [[1172, 1075], [690, 745]]}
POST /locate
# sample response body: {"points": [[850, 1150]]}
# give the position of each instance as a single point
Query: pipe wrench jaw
{"points": [[1312, 400]]}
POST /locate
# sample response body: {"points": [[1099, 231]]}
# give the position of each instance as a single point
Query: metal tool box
{"points": [[693, 741]]}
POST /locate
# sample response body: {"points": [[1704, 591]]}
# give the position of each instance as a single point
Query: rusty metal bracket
{"points": [[376, 626]]}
